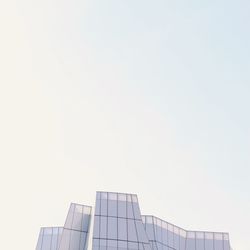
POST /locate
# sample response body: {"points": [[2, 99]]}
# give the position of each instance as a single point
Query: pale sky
{"points": [[147, 97]]}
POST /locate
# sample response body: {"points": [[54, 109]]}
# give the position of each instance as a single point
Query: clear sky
{"points": [[148, 97]]}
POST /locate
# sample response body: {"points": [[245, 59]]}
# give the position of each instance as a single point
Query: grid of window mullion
{"points": [[132, 220]]}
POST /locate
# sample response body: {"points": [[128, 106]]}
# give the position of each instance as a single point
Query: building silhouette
{"points": [[118, 224]]}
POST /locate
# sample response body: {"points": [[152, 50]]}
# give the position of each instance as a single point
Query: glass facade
{"points": [[119, 225]]}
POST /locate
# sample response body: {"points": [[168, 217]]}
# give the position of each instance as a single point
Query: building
{"points": [[118, 224]]}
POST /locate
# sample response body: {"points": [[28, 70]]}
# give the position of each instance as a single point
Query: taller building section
{"points": [[118, 223]]}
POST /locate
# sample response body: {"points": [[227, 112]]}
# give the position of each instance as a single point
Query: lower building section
{"points": [[73, 236], [118, 224], [49, 238], [163, 236]]}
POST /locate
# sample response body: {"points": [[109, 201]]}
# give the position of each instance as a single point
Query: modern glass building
{"points": [[118, 224]]}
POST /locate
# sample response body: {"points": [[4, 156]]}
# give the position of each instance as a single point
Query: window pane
{"points": [[176, 238], [122, 209], [132, 245], [96, 232], [209, 244], [85, 222], [74, 240], [137, 212], [104, 207], [150, 231], [112, 245], [103, 227], [142, 237], [103, 245], [112, 228], [77, 218], [164, 236], [83, 240], [190, 244], [122, 245], [65, 240], [130, 213], [131, 231], [112, 207], [170, 235], [122, 229]]}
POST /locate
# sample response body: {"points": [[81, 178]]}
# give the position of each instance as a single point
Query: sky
{"points": [[145, 97]]}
